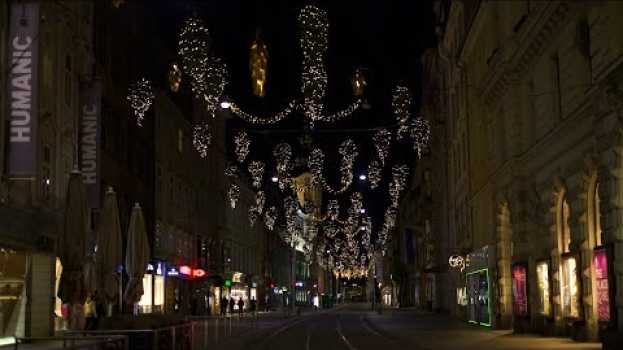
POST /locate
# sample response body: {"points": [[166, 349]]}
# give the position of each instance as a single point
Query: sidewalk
{"points": [[435, 331]]}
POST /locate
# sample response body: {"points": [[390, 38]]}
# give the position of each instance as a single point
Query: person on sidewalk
{"points": [[90, 313], [223, 306], [240, 307], [232, 303], [253, 306]]}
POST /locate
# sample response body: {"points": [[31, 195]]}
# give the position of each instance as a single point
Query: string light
{"points": [[242, 142], [420, 134], [202, 138], [374, 173], [194, 51], [233, 193], [263, 120], [270, 216], [314, 26], [215, 82], [401, 104], [175, 77], [256, 169], [140, 96], [382, 141], [398, 183], [283, 156]]}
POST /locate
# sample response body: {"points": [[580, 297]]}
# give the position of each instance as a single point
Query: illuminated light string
{"points": [[141, 97], [248, 117], [233, 193], [194, 51], [375, 173], [420, 135], [256, 169], [348, 151], [401, 105], [242, 143], [382, 141], [202, 138], [283, 156], [270, 216]]}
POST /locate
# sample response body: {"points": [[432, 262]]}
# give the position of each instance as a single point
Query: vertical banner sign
{"points": [[23, 84], [90, 136], [600, 264]]}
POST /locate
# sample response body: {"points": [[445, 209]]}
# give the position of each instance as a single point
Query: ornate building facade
{"points": [[533, 136]]}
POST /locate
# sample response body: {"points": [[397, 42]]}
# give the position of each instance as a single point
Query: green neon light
{"points": [[486, 271]]}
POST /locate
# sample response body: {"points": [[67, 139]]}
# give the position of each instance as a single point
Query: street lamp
{"points": [[362, 177]]}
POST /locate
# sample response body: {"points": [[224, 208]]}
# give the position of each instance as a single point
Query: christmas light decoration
{"points": [[260, 200], [242, 142], [140, 96], [253, 215], [314, 26], [420, 135], [202, 138], [401, 104], [250, 118], [215, 82], [232, 172], [233, 193], [398, 183], [258, 64], [315, 163], [374, 173], [194, 51], [333, 209], [175, 77], [283, 156], [382, 141], [256, 169], [346, 112], [270, 216], [359, 82]]}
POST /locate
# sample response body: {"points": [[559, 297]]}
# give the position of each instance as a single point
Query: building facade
{"points": [[532, 129]]}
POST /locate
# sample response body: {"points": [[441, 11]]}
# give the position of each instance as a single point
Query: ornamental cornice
{"points": [[522, 52]]}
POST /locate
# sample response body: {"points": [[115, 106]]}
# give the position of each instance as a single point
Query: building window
{"points": [[569, 287]]}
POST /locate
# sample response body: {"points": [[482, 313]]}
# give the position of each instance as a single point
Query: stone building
{"points": [[534, 100]]}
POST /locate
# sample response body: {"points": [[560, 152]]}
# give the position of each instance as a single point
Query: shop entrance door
{"points": [[478, 297]]}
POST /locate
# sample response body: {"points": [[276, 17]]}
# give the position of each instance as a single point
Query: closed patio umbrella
{"points": [[109, 250], [137, 256], [72, 244]]}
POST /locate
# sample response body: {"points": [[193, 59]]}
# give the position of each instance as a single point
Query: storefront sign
{"points": [[90, 136], [23, 83], [520, 295], [600, 264]]}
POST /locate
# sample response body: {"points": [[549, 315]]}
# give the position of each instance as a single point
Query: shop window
{"points": [[542, 275], [520, 295], [600, 266], [146, 299], [478, 297], [569, 287]]}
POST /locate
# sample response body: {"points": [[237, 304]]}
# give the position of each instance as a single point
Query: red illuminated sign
{"points": [[199, 273]]}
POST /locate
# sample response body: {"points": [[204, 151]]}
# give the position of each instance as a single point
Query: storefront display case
{"points": [[602, 270], [520, 290], [570, 288]]}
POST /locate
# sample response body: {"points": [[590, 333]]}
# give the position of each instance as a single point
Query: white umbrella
{"points": [[137, 256], [109, 249], [72, 243]]}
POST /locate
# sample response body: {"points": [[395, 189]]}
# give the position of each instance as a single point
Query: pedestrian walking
{"points": [[253, 306], [90, 313], [240, 306], [232, 303], [223, 306]]}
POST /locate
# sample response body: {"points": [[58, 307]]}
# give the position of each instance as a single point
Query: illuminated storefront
{"points": [[12, 294], [153, 289], [543, 288], [477, 285], [600, 266], [569, 288], [520, 293]]}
